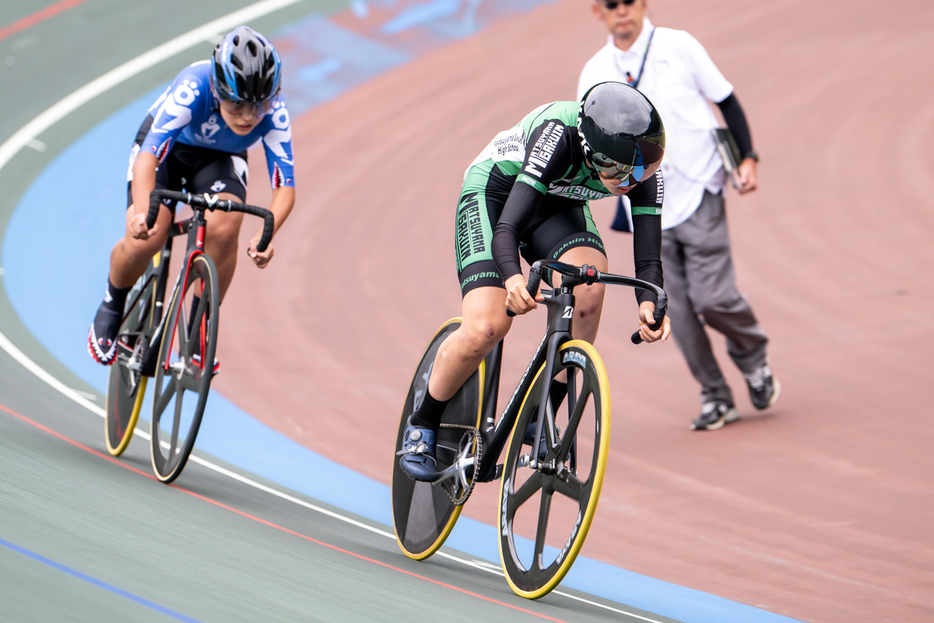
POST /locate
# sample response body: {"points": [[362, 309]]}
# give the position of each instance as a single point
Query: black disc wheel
{"points": [[424, 514]]}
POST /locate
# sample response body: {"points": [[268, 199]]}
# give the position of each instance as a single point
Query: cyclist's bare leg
{"points": [[588, 299], [484, 324], [131, 256], [222, 242]]}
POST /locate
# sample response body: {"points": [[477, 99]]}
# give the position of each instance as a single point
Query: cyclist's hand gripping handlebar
{"points": [[661, 308], [589, 275], [535, 279], [211, 202]]}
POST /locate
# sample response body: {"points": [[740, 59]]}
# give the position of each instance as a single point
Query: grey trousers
{"points": [[701, 285]]}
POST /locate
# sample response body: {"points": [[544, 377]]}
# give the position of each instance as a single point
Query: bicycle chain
{"points": [[477, 457]]}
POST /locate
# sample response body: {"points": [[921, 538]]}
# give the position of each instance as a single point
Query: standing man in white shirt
{"points": [[675, 72]]}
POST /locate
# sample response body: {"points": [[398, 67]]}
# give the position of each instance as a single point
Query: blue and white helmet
{"points": [[245, 67]]}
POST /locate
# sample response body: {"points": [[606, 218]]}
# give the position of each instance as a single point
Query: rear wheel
{"points": [[424, 514], [127, 383], [546, 511], [181, 383]]}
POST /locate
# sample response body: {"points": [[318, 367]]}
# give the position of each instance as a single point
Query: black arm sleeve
{"points": [[736, 121], [647, 252], [517, 214]]}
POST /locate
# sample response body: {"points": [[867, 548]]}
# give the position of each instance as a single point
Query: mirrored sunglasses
{"points": [[610, 168]]}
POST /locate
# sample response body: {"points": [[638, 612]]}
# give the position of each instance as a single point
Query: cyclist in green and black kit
{"points": [[528, 193]]}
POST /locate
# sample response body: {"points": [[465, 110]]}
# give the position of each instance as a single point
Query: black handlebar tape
{"points": [[269, 223], [535, 279], [153, 210], [155, 198]]}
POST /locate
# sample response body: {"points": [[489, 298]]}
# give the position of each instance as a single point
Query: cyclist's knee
{"points": [[224, 232], [589, 301], [137, 249], [478, 337]]}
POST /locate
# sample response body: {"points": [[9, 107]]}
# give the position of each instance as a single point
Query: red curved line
{"points": [[270, 524], [38, 16]]}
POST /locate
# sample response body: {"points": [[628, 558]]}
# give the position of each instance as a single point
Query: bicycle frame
{"points": [[494, 435], [195, 227], [143, 360], [561, 304]]}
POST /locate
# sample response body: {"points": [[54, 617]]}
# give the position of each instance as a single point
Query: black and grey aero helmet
{"points": [[245, 67], [621, 132]]}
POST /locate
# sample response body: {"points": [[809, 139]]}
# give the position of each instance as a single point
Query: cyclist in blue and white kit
{"points": [[195, 138]]}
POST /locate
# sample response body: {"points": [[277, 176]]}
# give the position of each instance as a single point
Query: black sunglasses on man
{"points": [[612, 4]]}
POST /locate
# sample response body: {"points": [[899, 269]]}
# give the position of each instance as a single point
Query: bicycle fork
{"points": [[560, 317]]}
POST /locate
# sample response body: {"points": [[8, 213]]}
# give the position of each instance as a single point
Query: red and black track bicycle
{"points": [[175, 348]]}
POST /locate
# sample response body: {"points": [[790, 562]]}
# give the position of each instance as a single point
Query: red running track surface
{"points": [[819, 509]]}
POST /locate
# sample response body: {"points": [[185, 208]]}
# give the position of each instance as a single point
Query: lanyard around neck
{"points": [[634, 82]]}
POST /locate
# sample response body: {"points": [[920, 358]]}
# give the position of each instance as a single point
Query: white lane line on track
{"points": [[27, 137], [79, 397]]}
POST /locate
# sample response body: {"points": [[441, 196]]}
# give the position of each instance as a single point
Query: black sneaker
{"points": [[763, 388], [102, 335], [714, 415]]}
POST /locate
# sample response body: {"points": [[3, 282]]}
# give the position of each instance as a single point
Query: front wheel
{"points": [[183, 379], [546, 510]]}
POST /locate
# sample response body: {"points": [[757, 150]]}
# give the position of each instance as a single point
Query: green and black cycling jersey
{"points": [[530, 174]]}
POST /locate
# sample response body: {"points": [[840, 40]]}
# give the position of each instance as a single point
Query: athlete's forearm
{"points": [[283, 200], [517, 213], [647, 251], [144, 181]]}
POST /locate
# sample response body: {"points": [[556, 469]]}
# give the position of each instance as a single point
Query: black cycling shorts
{"points": [[560, 224], [196, 170]]}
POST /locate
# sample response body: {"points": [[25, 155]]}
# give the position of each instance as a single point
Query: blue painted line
{"points": [[321, 60], [83, 190], [423, 14], [98, 583]]}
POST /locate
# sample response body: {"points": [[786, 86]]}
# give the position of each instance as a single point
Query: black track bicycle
{"points": [[548, 496], [176, 349]]}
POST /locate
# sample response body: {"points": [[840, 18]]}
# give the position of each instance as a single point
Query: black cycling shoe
{"points": [[417, 457], [102, 335]]}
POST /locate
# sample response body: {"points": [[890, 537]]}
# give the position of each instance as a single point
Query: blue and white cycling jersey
{"points": [[188, 113]]}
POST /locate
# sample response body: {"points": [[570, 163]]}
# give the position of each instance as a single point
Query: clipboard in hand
{"points": [[729, 153]]}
